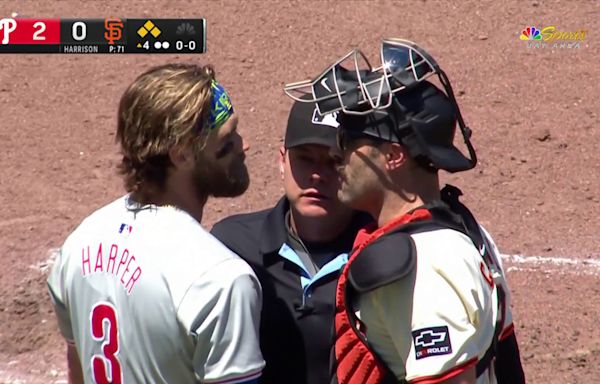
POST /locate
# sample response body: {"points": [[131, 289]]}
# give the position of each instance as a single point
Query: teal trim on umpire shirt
{"points": [[289, 254], [333, 266]]}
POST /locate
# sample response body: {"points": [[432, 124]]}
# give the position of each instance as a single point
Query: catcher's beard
{"points": [[212, 178]]}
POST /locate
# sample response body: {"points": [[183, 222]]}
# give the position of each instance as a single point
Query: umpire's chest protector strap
{"points": [[387, 259]]}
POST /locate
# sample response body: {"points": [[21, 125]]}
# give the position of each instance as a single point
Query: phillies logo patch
{"points": [[432, 341]]}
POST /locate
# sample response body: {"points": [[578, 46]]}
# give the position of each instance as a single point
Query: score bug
{"points": [[110, 35], [116, 49], [181, 45]]}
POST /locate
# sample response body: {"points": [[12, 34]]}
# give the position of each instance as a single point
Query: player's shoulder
{"points": [[98, 218], [445, 246], [196, 257], [193, 241], [217, 276], [389, 258], [442, 237], [117, 205], [230, 270]]}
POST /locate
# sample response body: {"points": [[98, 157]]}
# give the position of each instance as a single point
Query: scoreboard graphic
{"points": [[111, 35]]}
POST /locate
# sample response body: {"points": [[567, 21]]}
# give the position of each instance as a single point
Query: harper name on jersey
{"points": [[110, 259]]}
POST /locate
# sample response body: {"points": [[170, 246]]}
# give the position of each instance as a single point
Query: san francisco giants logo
{"points": [[7, 26], [114, 30]]}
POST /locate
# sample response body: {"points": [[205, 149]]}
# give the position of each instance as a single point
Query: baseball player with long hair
{"points": [[143, 294], [423, 297]]}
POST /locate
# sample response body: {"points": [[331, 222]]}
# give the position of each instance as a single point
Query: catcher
{"points": [[423, 297]]}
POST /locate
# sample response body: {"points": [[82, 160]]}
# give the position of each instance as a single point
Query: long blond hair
{"points": [[166, 106]]}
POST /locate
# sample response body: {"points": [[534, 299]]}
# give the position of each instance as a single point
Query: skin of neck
{"points": [[318, 229], [178, 192], [417, 188]]}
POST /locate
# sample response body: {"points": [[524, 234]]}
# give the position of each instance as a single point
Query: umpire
{"points": [[297, 249]]}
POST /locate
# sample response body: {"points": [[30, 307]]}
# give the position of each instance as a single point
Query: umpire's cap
{"points": [[306, 126], [422, 119]]}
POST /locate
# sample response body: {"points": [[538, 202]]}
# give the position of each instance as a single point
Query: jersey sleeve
{"points": [[435, 323], [508, 366], [500, 280], [222, 313], [57, 290]]}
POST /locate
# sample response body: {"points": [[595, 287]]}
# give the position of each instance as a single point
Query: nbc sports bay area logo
{"points": [[553, 38]]}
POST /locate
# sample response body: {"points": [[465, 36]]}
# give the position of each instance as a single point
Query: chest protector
{"points": [[388, 254]]}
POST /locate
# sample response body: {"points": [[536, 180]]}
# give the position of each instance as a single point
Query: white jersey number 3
{"points": [[106, 367]]}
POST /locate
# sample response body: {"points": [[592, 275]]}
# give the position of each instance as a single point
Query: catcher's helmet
{"points": [[423, 120], [394, 102]]}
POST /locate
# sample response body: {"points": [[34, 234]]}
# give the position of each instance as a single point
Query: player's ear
{"points": [[182, 156], [395, 155]]}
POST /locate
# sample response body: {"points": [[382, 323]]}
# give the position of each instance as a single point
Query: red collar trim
{"points": [[371, 232]]}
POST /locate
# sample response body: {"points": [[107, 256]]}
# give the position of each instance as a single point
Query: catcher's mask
{"points": [[393, 102]]}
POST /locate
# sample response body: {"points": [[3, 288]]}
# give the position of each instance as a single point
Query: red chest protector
{"points": [[356, 363]]}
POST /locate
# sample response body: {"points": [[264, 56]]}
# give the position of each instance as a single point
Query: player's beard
{"points": [[212, 178]]}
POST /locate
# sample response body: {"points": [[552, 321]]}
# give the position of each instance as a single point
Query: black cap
{"points": [[423, 119], [306, 126]]}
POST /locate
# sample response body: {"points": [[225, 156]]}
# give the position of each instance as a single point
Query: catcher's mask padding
{"points": [[423, 120]]}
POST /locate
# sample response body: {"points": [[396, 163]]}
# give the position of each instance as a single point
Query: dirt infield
{"points": [[534, 113]]}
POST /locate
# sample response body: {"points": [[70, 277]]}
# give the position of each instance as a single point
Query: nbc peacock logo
{"points": [[531, 33]]}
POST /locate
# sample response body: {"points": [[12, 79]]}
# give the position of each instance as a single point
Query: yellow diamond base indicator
{"points": [[155, 32], [142, 32], [149, 25]]}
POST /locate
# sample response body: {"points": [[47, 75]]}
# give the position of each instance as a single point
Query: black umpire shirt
{"points": [[296, 331]]}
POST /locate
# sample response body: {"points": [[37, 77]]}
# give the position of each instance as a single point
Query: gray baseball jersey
{"points": [[147, 295]]}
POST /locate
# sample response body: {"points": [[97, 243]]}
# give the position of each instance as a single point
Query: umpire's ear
{"points": [[281, 160]]}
